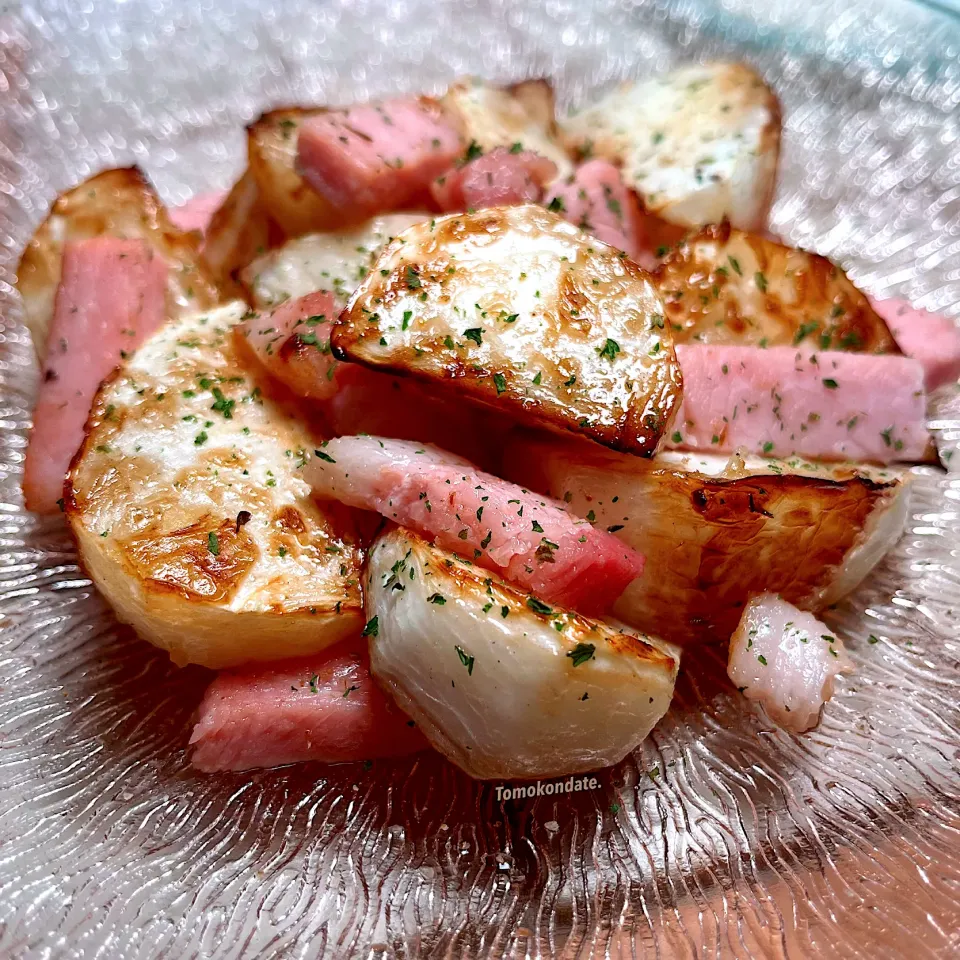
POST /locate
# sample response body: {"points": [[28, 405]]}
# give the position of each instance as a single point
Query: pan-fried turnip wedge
{"points": [[699, 144], [503, 177], [117, 203], [518, 117], [715, 531], [522, 312], [325, 707], [725, 286], [272, 160], [501, 683], [786, 660], [191, 513], [292, 342], [111, 296], [793, 401], [375, 157], [333, 263], [531, 541], [930, 338], [239, 229], [595, 199]]}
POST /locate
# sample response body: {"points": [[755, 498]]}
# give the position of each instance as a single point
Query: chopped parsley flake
{"points": [[581, 653], [538, 606], [465, 659], [222, 404], [609, 350]]}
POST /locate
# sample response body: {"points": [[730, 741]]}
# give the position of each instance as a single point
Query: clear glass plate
{"points": [[722, 836]]}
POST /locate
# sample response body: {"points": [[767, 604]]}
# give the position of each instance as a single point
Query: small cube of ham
{"points": [[786, 660], [529, 540], [112, 294], [198, 211], [596, 200], [930, 338], [324, 707], [292, 342], [370, 158], [501, 178]]}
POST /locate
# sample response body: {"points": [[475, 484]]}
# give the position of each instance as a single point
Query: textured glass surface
{"points": [[722, 836]]}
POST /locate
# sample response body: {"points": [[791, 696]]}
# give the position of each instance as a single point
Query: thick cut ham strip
{"points": [[930, 338], [596, 200], [111, 296], [531, 541], [784, 401], [501, 178], [324, 707], [293, 342], [368, 159]]}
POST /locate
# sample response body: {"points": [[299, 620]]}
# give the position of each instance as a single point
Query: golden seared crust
{"points": [[239, 230], [492, 116], [725, 286], [272, 158], [714, 532], [698, 144], [525, 313], [182, 561], [192, 517], [120, 203]]}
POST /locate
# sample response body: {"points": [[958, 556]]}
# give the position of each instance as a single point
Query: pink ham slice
{"points": [[497, 179], [783, 402], [930, 338], [292, 342], [197, 212], [325, 707], [532, 542], [370, 158], [596, 200], [112, 294]]}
